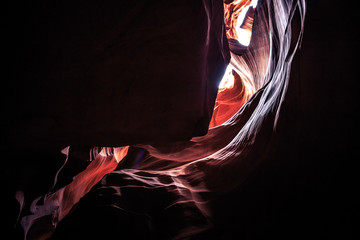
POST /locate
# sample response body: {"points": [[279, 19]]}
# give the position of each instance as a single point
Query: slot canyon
{"points": [[187, 119]]}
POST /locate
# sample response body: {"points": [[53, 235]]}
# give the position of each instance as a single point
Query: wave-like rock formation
{"points": [[229, 183], [178, 182]]}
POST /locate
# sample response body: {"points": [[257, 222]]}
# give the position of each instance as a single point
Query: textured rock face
{"points": [[281, 168]]}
